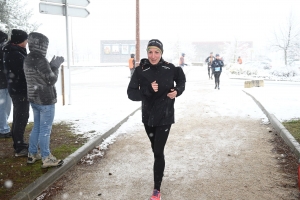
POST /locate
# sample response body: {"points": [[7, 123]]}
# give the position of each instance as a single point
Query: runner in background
{"points": [[217, 66], [181, 60], [209, 61], [131, 64]]}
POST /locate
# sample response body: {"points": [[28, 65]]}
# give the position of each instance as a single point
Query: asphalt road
{"points": [[216, 150]]}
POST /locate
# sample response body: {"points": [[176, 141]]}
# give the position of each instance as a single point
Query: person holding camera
{"points": [[41, 77]]}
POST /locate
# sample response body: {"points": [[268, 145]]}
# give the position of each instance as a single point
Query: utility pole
{"points": [[137, 46]]}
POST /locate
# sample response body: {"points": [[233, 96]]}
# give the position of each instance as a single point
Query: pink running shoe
{"points": [[155, 195]]}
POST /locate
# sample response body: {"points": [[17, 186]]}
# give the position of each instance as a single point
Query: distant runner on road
{"points": [[217, 65], [181, 60], [209, 61]]}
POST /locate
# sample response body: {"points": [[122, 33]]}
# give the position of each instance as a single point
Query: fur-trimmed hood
{"points": [[38, 42]]}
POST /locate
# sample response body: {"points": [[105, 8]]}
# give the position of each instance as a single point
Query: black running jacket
{"points": [[157, 107]]}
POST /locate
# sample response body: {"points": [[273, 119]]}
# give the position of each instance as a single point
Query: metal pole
{"points": [[68, 51], [72, 42], [137, 48], [63, 84]]}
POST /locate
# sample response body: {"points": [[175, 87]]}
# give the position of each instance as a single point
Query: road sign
{"points": [[82, 3], [56, 9], [66, 8]]}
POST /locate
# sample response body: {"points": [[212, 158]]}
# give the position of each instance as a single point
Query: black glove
{"points": [[57, 61]]}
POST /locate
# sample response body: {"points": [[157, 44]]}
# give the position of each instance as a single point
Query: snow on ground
{"points": [[99, 100], [276, 73], [282, 102]]}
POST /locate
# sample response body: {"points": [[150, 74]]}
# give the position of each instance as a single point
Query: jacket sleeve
{"points": [[15, 62], [135, 92], [213, 64], [47, 73], [179, 80], [221, 63], [206, 60]]}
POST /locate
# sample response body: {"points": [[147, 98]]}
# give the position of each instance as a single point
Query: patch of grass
{"points": [[293, 126], [16, 170]]}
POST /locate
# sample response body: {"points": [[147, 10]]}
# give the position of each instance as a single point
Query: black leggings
{"points": [[158, 137], [210, 74], [217, 78]]}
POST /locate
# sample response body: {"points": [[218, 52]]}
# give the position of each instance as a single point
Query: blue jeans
{"points": [[5, 106], [40, 135]]}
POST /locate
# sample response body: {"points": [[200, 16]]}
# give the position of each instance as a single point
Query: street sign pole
{"points": [[137, 47], [62, 7], [68, 49]]}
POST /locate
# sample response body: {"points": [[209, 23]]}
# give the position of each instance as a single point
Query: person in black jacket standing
{"points": [[217, 65], [153, 84], [14, 55], [5, 100]]}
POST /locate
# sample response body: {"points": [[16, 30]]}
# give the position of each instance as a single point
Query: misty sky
{"points": [[200, 20], [176, 20]]}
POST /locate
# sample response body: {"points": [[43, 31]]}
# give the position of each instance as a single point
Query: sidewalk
{"points": [[217, 149]]}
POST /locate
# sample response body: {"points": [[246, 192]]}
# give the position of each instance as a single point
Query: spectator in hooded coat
{"points": [[41, 77], [14, 55]]}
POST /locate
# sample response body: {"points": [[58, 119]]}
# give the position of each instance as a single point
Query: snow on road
{"points": [[217, 149]]}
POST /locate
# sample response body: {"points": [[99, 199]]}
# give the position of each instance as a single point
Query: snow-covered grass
{"points": [[290, 73], [99, 98]]}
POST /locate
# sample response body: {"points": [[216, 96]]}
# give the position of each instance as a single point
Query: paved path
{"points": [[217, 149]]}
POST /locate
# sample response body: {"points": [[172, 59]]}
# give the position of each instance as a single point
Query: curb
{"points": [[40, 184], [284, 133]]}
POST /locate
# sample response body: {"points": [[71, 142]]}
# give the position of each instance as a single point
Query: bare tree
{"points": [[286, 39], [13, 14], [235, 48]]}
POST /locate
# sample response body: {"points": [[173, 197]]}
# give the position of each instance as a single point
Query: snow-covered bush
{"points": [[285, 71], [234, 68], [238, 69]]}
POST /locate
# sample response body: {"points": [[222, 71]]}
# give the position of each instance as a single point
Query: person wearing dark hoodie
{"points": [[5, 100], [153, 83], [217, 66], [14, 55], [41, 77]]}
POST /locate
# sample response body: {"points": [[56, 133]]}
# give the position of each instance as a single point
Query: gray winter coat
{"points": [[40, 76]]}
